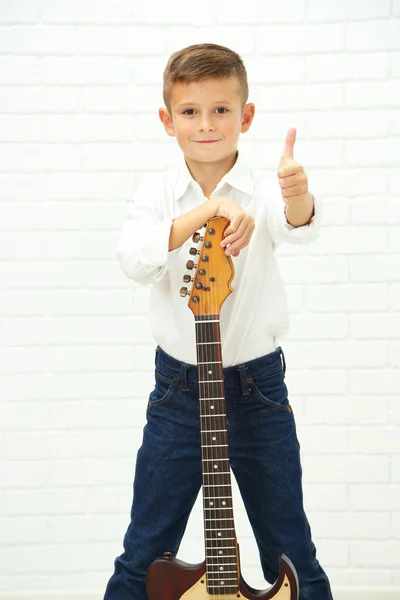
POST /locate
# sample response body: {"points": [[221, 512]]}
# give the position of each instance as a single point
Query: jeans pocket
{"points": [[163, 389], [271, 391]]}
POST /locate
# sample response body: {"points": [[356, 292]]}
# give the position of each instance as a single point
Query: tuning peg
{"points": [[190, 265], [184, 291], [187, 278], [197, 238], [194, 251]]}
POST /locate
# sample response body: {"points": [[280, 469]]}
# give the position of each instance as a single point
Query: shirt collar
{"points": [[239, 177]]}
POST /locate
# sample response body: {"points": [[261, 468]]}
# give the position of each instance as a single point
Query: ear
{"points": [[248, 115], [166, 121]]}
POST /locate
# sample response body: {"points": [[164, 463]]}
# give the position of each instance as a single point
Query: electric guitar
{"points": [[219, 575]]}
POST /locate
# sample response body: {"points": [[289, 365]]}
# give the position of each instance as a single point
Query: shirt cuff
{"points": [[282, 231]]}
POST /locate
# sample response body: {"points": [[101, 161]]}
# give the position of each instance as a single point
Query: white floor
{"points": [[338, 593]]}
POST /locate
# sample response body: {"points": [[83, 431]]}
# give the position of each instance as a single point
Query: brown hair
{"points": [[200, 61]]}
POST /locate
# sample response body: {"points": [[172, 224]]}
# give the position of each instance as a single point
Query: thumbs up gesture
{"points": [[294, 184]]}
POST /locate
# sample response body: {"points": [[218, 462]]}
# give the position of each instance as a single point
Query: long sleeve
{"points": [[280, 230], [142, 248]]}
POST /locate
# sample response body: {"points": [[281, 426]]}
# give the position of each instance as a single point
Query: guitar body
{"points": [[219, 575], [174, 579]]}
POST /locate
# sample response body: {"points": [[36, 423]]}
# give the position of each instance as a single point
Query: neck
{"points": [[208, 175]]}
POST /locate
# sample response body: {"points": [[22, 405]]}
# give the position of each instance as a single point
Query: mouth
{"points": [[207, 142]]}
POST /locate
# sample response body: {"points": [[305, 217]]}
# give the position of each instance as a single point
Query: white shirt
{"points": [[254, 318]]}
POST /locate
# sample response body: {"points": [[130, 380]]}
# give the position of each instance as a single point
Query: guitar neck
{"points": [[219, 530]]}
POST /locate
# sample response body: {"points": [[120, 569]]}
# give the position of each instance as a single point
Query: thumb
{"points": [[288, 151]]}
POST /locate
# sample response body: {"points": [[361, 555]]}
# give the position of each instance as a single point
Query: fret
{"points": [[217, 398], [224, 519], [207, 321], [207, 416], [222, 497], [220, 529], [217, 485], [218, 473], [217, 559], [212, 499], [220, 547], [220, 572], [222, 579], [211, 362], [226, 590], [215, 446], [223, 556], [216, 430], [212, 381], [207, 343]]}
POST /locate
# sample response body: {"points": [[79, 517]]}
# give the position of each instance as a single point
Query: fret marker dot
{"points": [[211, 503], [215, 466], [221, 568], [219, 534], [212, 407], [223, 502], [220, 552], [222, 582], [210, 372], [214, 438]]}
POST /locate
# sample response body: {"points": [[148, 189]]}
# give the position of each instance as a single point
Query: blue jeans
{"points": [[264, 457]]}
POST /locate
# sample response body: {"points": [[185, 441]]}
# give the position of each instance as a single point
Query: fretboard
{"points": [[219, 530]]}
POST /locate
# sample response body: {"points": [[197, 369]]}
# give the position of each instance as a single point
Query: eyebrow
{"points": [[196, 104]]}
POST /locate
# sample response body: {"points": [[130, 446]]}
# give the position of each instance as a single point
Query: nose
{"points": [[206, 124]]}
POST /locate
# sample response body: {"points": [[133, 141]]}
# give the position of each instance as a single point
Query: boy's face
{"points": [[207, 110]]}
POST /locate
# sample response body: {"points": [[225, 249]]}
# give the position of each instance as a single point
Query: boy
{"points": [[205, 93]]}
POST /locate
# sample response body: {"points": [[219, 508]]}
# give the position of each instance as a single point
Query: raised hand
{"points": [[292, 177]]}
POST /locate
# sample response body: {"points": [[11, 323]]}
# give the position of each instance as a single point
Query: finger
{"points": [[296, 190], [235, 235], [289, 168], [243, 241], [288, 150], [233, 226], [293, 179]]}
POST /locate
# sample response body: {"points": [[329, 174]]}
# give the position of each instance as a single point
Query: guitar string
{"points": [[227, 477], [218, 392], [210, 350], [214, 479], [208, 422], [226, 534], [213, 421]]}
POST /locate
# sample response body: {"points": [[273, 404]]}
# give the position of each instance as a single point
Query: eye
{"points": [[192, 109]]}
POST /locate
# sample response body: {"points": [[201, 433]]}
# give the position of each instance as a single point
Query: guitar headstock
{"points": [[214, 270]]}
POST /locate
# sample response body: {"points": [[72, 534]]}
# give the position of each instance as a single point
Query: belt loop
{"points": [[283, 361], [242, 370], [156, 355], [184, 378]]}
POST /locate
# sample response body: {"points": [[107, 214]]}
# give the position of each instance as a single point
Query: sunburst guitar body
{"points": [[219, 576]]}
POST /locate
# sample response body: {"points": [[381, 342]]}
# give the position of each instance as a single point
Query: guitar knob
{"points": [[196, 238], [190, 265], [184, 291], [193, 251], [187, 278]]}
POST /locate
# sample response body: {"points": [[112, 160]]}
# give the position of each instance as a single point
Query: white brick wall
{"points": [[80, 85]]}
